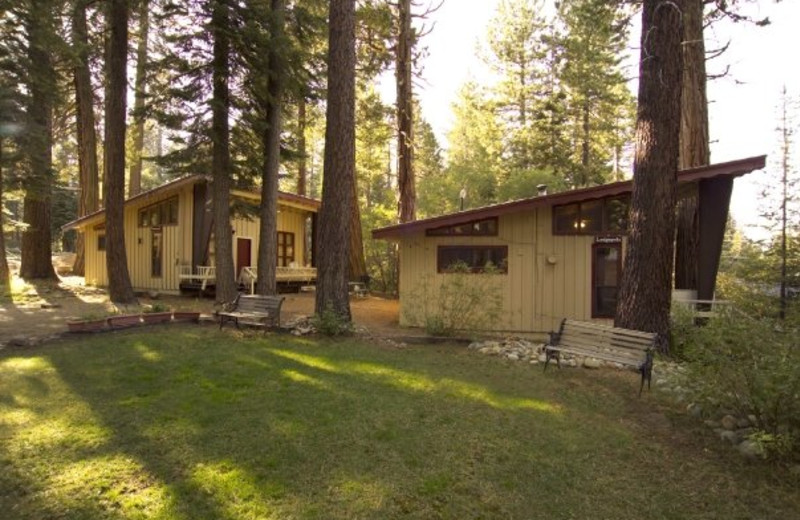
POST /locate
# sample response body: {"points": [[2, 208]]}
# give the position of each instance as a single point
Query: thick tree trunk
{"points": [[221, 155], [88, 178], [644, 300], [358, 264], [119, 282], [339, 168], [694, 146], [36, 261], [5, 273], [302, 168], [139, 87], [405, 114], [268, 249]]}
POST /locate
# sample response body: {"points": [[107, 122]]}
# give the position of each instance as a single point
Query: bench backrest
{"points": [[624, 343], [259, 304]]}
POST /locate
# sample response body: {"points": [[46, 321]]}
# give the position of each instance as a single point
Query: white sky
{"points": [[743, 106]]}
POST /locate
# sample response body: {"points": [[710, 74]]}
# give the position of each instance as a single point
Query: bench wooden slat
{"points": [[254, 309], [627, 347]]}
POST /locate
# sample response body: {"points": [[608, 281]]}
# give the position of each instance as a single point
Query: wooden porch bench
{"points": [[626, 347], [253, 309]]}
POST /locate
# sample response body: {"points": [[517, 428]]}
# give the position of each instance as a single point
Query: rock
{"points": [[753, 419], [751, 449], [695, 410], [712, 424], [51, 306], [513, 357], [732, 437], [729, 422], [591, 363], [742, 422], [475, 345], [534, 361], [153, 295], [542, 358], [570, 363]]}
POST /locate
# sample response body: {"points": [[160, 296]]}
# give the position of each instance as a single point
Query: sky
{"points": [[742, 106]]}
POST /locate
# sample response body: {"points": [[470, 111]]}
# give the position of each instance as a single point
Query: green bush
{"points": [[463, 300], [749, 367], [330, 323]]}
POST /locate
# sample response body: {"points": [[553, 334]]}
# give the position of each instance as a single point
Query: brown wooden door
{"points": [[243, 248]]}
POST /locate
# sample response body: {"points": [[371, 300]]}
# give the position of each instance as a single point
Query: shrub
{"points": [[749, 367], [330, 323], [463, 300]]}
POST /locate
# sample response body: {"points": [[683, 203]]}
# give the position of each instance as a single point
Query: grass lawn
{"points": [[191, 423]]}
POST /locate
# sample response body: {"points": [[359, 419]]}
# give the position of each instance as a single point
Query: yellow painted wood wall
{"points": [[177, 243], [537, 294]]}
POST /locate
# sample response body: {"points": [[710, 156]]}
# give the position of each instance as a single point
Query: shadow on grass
{"points": [[195, 423]]}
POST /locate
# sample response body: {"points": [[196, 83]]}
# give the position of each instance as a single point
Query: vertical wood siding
{"points": [[537, 293], [177, 243]]}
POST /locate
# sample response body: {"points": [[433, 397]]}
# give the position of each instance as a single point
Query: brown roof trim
{"points": [[180, 183], [729, 169]]}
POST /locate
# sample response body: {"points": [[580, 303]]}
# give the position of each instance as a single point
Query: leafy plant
{"points": [[751, 367], [331, 323], [157, 307], [462, 300]]}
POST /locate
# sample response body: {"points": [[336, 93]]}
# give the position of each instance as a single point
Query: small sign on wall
{"points": [[608, 240]]}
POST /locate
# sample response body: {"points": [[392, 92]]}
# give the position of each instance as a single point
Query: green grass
{"points": [[191, 423]]}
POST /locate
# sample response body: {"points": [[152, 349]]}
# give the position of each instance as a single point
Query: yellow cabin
{"points": [[556, 255], [169, 238]]}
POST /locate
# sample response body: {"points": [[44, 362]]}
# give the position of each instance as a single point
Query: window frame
{"points": [[605, 228], [447, 231], [156, 232], [281, 248], [442, 269], [162, 210], [592, 284], [101, 242]]}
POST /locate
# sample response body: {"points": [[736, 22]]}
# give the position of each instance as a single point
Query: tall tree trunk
{"points": [[644, 300], [5, 273], [119, 282], [88, 178], [358, 264], [139, 87], [302, 165], [694, 146], [221, 154], [405, 114], [36, 261], [268, 249], [339, 167]]}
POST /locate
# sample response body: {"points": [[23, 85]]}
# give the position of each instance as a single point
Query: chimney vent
{"points": [[541, 189]]}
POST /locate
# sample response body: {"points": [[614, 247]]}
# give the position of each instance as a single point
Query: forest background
{"points": [[544, 99]]}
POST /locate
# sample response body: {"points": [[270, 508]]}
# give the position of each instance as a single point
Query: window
{"points": [[156, 252], [485, 227], [606, 271], [476, 258], [592, 217], [165, 213], [285, 248], [101, 242]]}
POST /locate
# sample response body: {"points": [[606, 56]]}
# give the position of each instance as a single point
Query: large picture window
{"points": [[606, 271], [476, 258], [165, 213], [156, 252], [592, 217], [485, 227]]}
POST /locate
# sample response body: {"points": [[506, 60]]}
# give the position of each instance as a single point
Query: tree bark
{"points": [[405, 114], [36, 261], [221, 155], [5, 273], [694, 146], [119, 282], [644, 299], [339, 168], [88, 178], [268, 249], [140, 92], [302, 164]]}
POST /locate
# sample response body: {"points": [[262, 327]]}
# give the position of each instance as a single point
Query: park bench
{"points": [[253, 309], [626, 347]]}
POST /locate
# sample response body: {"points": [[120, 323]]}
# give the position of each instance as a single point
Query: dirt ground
{"points": [[41, 310]]}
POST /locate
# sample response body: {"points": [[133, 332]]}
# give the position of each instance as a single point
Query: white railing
{"points": [[201, 273], [249, 275]]}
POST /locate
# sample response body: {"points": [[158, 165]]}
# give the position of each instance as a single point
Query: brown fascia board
{"points": [[179, 183], [732, 169]]}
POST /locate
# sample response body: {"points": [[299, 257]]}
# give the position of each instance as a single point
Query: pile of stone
{"points": [[525, 351], [300, 326]]}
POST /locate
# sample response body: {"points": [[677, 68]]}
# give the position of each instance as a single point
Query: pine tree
{"points": [[339, 175], [645, 295]]}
